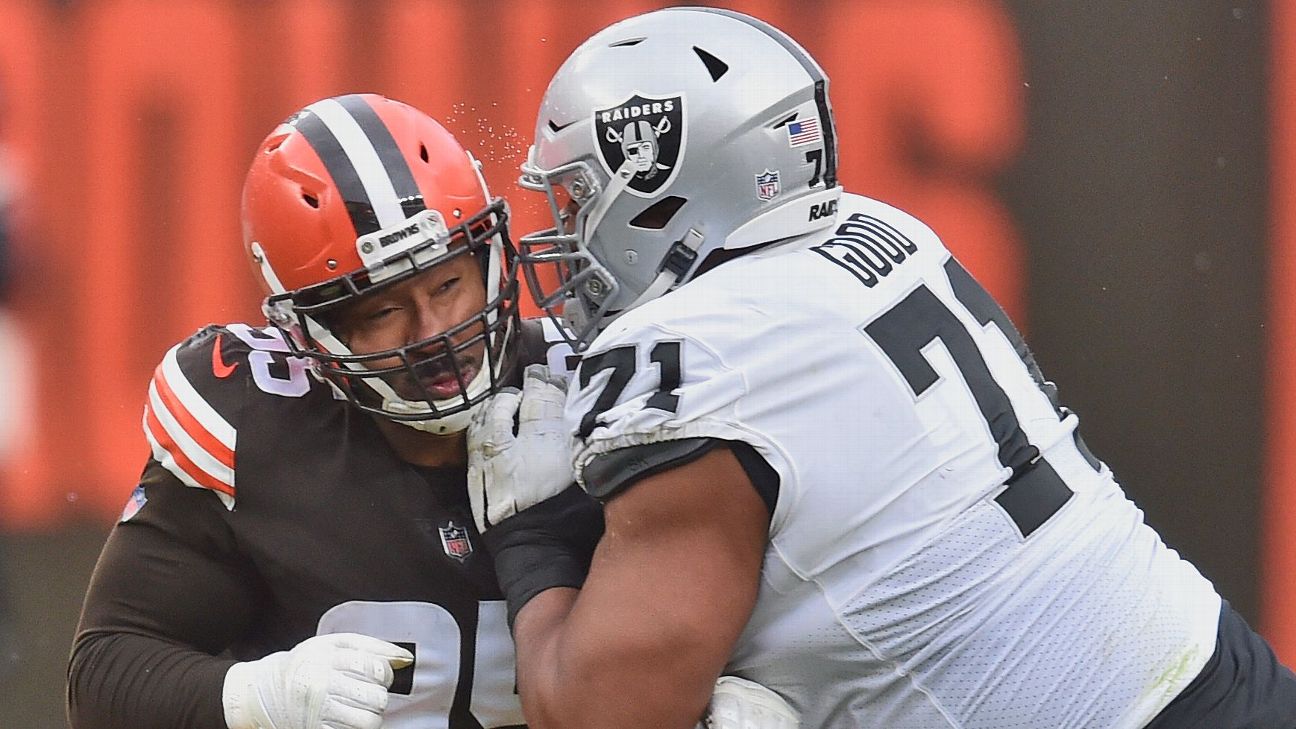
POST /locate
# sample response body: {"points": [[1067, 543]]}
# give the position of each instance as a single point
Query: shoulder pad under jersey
{"points": [[540, 342], [198, 392]]}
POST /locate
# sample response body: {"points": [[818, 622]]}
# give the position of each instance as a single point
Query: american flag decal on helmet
{"points": [[803, 132]]}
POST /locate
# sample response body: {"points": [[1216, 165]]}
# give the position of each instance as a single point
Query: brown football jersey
{"points": [[270, 511]]}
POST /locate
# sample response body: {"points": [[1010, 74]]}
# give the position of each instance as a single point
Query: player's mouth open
{"points": [[445, 384]]}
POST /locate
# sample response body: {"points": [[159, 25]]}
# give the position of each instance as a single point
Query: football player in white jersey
{"points": [[829, 463]]}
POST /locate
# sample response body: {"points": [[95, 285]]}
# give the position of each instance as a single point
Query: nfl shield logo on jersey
{"points": [[454, 540], [767, 185], [646, 132]]}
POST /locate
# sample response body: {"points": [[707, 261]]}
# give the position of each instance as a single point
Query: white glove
{"points": [[335, 681], [741, 704], [508, 473]]}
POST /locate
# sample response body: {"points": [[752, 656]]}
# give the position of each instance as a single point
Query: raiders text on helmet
{"points": [[649, 134]]}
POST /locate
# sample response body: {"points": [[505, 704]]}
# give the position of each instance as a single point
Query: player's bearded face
{"points": [[423, 309]]}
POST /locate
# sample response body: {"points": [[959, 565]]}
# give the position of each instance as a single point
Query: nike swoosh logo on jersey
{"points": [[219, 368]]}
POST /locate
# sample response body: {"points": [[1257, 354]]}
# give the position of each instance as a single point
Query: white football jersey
{"points": [[943, 552]]}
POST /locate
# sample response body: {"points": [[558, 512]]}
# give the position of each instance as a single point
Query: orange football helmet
{"points": [[358, 192]]}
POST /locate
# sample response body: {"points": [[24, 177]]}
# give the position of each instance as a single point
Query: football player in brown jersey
{"points": [[300, 551]]}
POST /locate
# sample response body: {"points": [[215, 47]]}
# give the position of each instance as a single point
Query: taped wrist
{"points": [[548, 545]]}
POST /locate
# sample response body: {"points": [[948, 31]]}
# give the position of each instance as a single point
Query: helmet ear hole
{"points": [[423, 153], [310, 200], [659, 214]]}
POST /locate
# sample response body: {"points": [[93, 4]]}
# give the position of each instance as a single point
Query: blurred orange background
{"points": [[136, 142]]}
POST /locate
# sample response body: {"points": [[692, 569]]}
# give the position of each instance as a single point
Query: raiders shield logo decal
{"points": [[647, 132]]}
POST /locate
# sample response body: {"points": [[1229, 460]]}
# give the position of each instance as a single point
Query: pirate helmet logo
{"points": [[647, 133]]}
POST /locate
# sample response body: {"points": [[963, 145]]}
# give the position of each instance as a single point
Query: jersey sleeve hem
{"points": [[711, 429]]}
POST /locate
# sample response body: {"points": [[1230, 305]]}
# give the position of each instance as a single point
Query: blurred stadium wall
{"points": [[1119, 174]]}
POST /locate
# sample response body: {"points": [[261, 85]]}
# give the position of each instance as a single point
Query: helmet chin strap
{"points": [[669, 275], [444, 425], [784, 221], [617, 185]]}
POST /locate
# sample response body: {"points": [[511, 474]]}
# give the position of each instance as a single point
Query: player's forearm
{"points": [[670, 587], [536, 632], [128, 681], [578, 671]]}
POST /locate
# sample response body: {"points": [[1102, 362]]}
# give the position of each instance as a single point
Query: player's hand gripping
{"points": [[336, 681], [741, 704], [539, 526], [507, 471]]}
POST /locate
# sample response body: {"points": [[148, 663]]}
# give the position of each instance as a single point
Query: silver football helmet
{"points": [[667, 138]]}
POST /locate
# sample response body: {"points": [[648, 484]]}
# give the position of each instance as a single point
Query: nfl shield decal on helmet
{"points": [[454, 540], [648, 133], [767, 184]]}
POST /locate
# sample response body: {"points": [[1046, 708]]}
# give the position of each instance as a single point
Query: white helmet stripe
{"points": [[360, 151]]}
